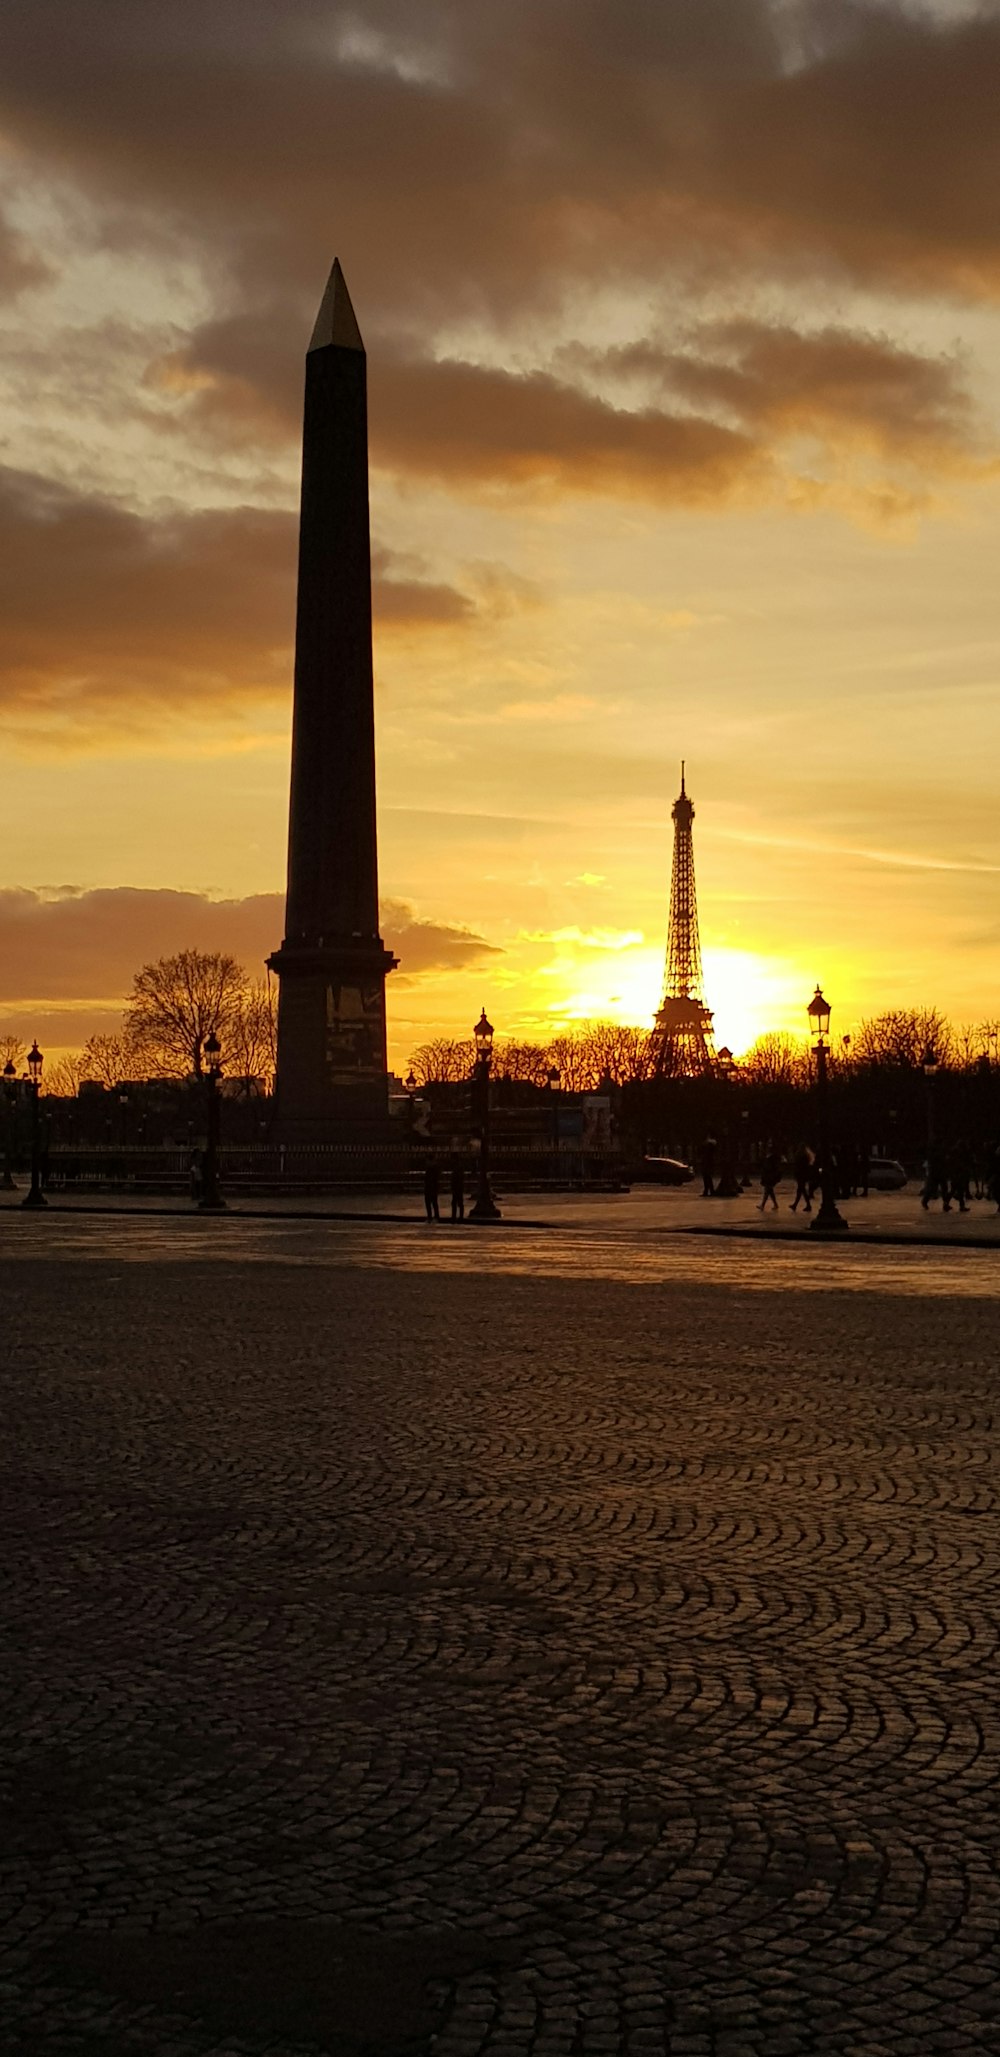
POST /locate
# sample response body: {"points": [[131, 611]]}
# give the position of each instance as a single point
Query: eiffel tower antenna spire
{"points": [[682, 1032]]}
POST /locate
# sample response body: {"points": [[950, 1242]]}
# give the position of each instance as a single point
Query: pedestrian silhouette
{"points": [[961, 1175], [803, 1169], [431, 1190], [770, 1173], [936, 1185], [706, 1159], [457, 1189]]}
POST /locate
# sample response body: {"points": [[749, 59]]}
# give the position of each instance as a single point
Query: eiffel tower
{"points": [[682, 1032]]}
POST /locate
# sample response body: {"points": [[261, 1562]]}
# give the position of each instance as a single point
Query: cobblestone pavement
{"points": [[406, 1656]]}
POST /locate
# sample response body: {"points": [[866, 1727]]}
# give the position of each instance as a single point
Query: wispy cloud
{"points": [[586, 939]]}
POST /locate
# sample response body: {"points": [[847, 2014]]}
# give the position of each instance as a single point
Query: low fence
{"points": [[314, 1167]]}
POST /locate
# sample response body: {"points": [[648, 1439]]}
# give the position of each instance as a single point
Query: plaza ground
{"points": [[583, 1639], [644, 1211]]}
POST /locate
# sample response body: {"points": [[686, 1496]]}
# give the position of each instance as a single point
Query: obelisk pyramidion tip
{"points": [[336, 321]]}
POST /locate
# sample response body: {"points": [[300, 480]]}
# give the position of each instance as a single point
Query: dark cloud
{"points": [[879, 152], [488, 155], [465, 424], [469, 425], [103, 607], [70, 944], [410, 601], [424, 946], [20, 264], [473, 159], [774, 381], [685, 425]]}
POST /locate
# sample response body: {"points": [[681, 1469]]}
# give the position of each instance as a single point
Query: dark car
{"points": [[666, 1171], [885, 1175]]}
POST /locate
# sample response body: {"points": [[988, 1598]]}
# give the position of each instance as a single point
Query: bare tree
{"points": [[444, 1061], [966, 1046], [776, 1060], [616, 1051], [112, 1060], [12, 1051], [988, 1034], [527, 1062], [176, 1004], [901, 1035], [64, 1078], [251, 1050], [575, 1060]]}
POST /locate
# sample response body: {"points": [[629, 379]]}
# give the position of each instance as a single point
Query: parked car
{"points": [[885, 1174], [666, 1171]]}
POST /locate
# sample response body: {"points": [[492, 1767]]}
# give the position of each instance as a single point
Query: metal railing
{"points": [[307, 1166]]}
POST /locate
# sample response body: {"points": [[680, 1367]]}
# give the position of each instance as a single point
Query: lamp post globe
{"points": [[8, 1182], [34, 1197], [485, 1207], [211, 1200], [828, 1221], [819, 1018]]}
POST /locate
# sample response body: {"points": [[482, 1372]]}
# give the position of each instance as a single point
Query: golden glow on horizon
{"points": [[750, 995]]}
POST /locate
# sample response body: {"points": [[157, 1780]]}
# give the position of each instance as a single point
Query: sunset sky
{"points": [[683, 334]]}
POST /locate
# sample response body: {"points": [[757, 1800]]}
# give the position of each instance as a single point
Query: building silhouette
{"points": [[682, 1032]]}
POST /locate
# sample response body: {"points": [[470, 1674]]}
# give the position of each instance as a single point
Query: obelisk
{"points": [[332, 1081]]}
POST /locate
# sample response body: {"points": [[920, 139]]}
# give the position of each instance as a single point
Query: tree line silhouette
{"points": [[876, 1072], [594, 1053]]}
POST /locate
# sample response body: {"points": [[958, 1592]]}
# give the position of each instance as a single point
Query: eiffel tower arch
{"points": [[683, 1044]]}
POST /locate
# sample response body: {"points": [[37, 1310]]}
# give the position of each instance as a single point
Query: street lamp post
{"points": [[929, 1066], [34, 1197], [485, 1208], [552, 1078], [828, 1221], [729, 1187], [8, 1181], [211, 1201]]}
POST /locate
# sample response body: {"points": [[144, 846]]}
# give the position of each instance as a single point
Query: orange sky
{"points": [[684, 356]]}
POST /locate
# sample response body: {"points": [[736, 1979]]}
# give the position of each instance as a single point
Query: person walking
{"points": [[457, 1189], [803, 1169], [936, 1183], [432, 1190], [961, 1175], [770, 1173], [706, 1160]]}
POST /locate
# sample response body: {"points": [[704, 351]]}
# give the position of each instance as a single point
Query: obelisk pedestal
{"points": [[332, 1081]]}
